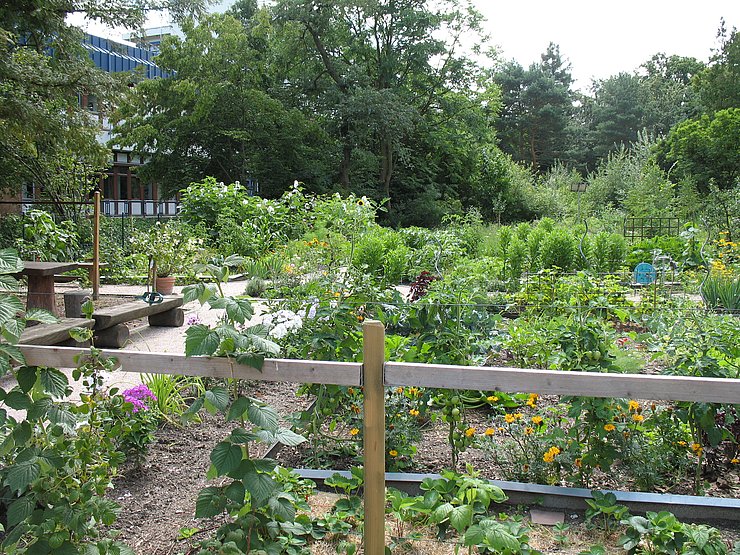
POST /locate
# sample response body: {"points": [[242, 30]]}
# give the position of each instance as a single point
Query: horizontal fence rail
{"points": [[554, 382], [274, 370]]}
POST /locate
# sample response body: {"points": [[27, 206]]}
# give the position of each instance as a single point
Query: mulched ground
{"points": [[158, 499]]}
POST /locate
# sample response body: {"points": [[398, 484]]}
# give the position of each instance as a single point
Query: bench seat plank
{"points": [[51, 334], [109, 317]]}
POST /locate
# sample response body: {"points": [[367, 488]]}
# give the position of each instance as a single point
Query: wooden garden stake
{"points": [[374, 434], [95, 273]]}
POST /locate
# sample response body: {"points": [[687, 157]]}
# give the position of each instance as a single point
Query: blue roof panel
{"points": [[115, 57]]}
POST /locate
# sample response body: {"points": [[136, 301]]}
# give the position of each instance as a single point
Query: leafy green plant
{"points": [[719, 291], [505, 537], [44, 239], [659, 533], [169, 244], [173, 394], [603, 507]]}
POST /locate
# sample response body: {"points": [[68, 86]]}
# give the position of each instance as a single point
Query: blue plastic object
{"points": [[645, 273]]}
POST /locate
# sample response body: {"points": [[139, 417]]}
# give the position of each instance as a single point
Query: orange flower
{"points": [[578, 463], [470, 432], [393, 453], [509, 418], [610, 427], [414, 412], [489, 431], [354, 431], [552, 452], [633, 406], [537, 420], [638, 417], [528, 431]]}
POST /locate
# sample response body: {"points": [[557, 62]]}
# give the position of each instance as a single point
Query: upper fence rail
{"points": [[553, 382]]}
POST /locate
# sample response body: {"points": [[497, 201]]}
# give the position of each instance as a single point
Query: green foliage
{"points": [[382, 254], [607, 252], [558, 250], [706, 149], [603, 507], [721, 292], [43, 239], [662, 532], [170, 245]]}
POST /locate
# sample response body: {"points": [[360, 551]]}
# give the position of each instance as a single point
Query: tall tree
{"points": [[377, 72], [718, 85], [536, 108], [214, 115]]}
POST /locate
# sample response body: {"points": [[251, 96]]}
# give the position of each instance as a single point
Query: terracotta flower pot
{"points": [[164, 285]]}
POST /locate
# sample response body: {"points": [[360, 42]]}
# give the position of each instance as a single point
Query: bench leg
{"points": [[171, 319], [114, 337], [73, 301]]}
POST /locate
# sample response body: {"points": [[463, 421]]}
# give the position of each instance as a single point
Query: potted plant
{"points": [[170, 249]]}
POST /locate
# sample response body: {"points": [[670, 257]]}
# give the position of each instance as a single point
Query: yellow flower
{"points": [[697, 448], [518, 415], [393, 453], [413, 391], [532, 401], [537, 420], [354, 431], [414, 412], [509, 418], [552, 452], [470, 432], [633, 406], [351, 391], [638, 417], [735, 461], [682, 443], [491, 398], [610, 427], [578, 462], [489, 431], [528, 431], [399, 390]]}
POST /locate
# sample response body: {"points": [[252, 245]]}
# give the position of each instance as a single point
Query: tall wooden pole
{"points": [[95, 274], [374, 436]]}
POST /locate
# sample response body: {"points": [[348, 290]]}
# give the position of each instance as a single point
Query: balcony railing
{"points": [[141, 208]]}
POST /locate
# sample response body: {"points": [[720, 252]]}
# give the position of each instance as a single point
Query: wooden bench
{"points": [[110, 328], [54, 334]]}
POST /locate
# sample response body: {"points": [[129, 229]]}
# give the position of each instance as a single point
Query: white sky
{"points": [[599, 38], [603, 38]]}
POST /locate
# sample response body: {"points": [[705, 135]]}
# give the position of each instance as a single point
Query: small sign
{"points": [[578, 187], [645, 273]]}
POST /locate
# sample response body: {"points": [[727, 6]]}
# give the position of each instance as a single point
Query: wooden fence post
{"points": [[373, 334]]}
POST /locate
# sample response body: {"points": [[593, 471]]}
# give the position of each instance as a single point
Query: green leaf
{"points": [[81, 335], [199, 292], [441, 513], [260, 486], [10, 263], [226, 457], [13, 329], [263, 416], [461, 517], [240, 435], [18, 400], [283, 508], [236, 492], [238, 408], [12, 352], [8, 283], [20, 509], [26, 377], [201, 340], [60, 415], [289, 437], [39, 409], [42, 316], [10, 306], [53, 382], [252, 360], [210, 502], [218, 397], [20, 475]]}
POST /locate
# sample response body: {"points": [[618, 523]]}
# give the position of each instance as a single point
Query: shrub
{"points": [[607, 252], [558, 250]]}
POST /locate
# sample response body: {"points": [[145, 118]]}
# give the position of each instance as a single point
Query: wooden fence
{"points": [[376, 374]]}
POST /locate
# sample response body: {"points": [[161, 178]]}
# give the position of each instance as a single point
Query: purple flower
{"points": [[137, 397], [192, 319]]}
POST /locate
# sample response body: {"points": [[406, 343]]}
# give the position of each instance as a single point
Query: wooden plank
{"points": [[274, 370], [374, 436], [51, 334], [107, 317], [586, 384]]}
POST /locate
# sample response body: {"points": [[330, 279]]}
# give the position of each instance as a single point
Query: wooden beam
{"points": [[51, 334], [586, 384], [108, 317], [374, 436], [274, 370]]}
